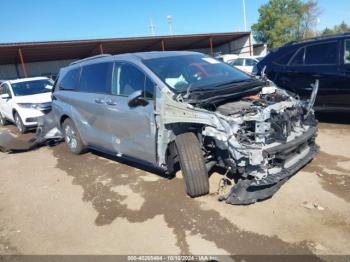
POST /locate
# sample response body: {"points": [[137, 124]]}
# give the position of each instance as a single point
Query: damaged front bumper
{"points": [[293, 155]]}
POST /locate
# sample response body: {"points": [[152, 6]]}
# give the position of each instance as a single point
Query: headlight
{"points": [[29, 105], [38, 106]]}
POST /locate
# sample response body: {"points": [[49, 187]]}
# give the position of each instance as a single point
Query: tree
{"points": [[283, 21], [338, 29], [309, 20]]}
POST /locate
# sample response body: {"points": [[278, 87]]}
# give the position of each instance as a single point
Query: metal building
{"points": [[19, 60]]}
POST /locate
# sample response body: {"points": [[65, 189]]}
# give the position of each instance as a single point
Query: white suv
{"points": [[22, 101], [245, 64]]}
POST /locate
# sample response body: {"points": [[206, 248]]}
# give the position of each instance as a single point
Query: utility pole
{"points": [[170, 23], [152, 27], [244, 17]]}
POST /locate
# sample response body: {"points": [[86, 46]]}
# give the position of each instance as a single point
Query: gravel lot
{"points": [[53, 202]]}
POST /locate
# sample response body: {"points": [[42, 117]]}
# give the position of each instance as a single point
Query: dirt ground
{"points": [[53, 202]]}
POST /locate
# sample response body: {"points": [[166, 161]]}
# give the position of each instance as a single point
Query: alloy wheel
{"points": [[2, 120], [70, 137], [19, 123]]}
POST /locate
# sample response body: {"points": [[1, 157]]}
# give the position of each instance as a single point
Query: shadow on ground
{"points": [[334, 177], [333, 118], [99, 177]]}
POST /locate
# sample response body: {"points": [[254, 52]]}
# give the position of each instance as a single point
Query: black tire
{"points": [[192, 164], [72, 137], [3, 120], [19, 123]]}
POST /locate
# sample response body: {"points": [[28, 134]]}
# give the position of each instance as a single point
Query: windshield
{"points": [[194, 72], [32, 87]]}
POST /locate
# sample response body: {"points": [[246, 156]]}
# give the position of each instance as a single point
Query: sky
{"points": [[47, 20]]}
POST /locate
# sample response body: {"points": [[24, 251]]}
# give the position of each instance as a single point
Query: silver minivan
{"points": [[187, 110]]}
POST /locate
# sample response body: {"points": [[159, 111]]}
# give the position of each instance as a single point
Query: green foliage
{"points": [[310, 17], [283, 21], [338, 29]]}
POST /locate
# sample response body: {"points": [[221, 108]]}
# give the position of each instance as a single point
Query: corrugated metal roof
{"points": [[77, 49]]}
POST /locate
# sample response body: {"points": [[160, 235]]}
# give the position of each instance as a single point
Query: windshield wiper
{"points": [[188, 91], [234, 82]]}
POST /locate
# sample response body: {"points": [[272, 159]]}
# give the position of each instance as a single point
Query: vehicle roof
{"points": [[132, 56], [160, 54], [318, 39], [245, 57], [20, 80]]}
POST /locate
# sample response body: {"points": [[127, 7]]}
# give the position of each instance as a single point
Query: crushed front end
{"points": [[263, 140]]}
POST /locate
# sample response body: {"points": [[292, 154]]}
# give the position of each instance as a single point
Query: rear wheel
{"points": [[3, 121], [192, 165], [72, 137], [19, 123]]}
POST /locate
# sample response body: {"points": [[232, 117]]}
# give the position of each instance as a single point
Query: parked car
{"points": [[226, 57], [296, 65], [24, 100], [246, 64], [165, 108]]}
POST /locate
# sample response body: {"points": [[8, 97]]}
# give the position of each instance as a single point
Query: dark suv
{"points": [[297, 65]]}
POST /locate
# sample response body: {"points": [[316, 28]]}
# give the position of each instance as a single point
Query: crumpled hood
{"points": [[37, 98], [233, 91]]}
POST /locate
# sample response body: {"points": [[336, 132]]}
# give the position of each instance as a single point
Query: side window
{"points": [[128, 79], [347, 52], [95, 78], [70, 80], [284, 59], [5, 89], [250, 62], [237, 62], [322, 54], [8, 91], [149, 88], [298, 59]]}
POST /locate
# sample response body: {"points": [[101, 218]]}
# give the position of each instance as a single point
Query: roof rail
{"points": [[89, 58], [318, 38]]}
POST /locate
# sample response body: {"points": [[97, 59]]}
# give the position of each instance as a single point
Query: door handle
{"points": [[110, 102], [99, 101]]}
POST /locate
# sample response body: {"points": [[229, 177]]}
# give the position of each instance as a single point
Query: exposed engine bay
{"points": [[267, 138]]}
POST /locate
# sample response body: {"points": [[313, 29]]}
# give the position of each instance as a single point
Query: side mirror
{"points": [[5, 96], [137, 98]]}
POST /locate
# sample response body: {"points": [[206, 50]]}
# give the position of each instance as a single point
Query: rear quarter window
{"points": [[70, 80], [96, 78]]}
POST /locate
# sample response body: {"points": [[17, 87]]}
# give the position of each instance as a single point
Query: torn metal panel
{"points": [[250, 191], [47, 133]]}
